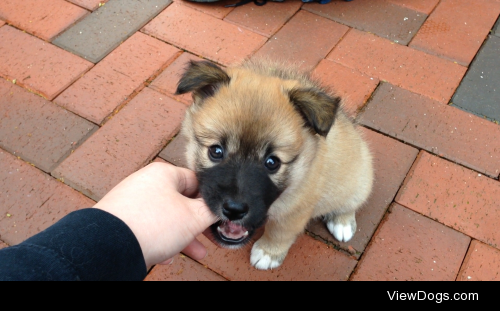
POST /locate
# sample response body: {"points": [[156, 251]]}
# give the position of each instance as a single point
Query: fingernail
{"points": [[169, 262]]}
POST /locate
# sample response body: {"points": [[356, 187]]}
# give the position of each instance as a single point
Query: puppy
{"points": [[271, 147]]}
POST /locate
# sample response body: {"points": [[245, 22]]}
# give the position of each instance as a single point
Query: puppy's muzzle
{"points": [[240, 193], [234, 210]]}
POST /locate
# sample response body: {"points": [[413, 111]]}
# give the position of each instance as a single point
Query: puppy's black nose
{"points": [[234, 210]]}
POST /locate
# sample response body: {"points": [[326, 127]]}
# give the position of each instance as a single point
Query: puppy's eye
{"points": [[273, 164], [216, 153]]}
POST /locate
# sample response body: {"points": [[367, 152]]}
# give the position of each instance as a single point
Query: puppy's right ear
{"points": [[203, 78], [317, 108]]}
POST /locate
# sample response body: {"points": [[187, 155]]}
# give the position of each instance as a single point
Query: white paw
{"points": [[342, 233], [261, 261]]}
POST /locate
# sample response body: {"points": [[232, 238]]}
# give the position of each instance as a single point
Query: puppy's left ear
{"points": [[203, 78], [316, 107]]}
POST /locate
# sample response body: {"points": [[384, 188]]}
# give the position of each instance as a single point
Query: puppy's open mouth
{"points": [[231, 232]]}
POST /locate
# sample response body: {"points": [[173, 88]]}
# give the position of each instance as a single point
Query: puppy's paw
{"points": [[342, 233], [342, 227], [262, 260]]}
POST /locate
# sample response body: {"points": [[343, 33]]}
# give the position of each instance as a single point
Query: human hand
{"points": [[157, 204]]}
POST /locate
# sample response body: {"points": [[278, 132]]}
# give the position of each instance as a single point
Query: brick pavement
{"points": [[81, 110], [479, 91], [38, 18], [480, 263]]}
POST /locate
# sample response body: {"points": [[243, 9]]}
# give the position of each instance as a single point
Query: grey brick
{"points": [[382, 18], [479, 92], [101, 32], [37, 130]]}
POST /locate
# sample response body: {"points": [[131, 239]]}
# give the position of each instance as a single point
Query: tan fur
{"points": [[331, 178]]}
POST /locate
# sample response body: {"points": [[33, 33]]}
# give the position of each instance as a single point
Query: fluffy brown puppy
{"points": [[271, 147]]}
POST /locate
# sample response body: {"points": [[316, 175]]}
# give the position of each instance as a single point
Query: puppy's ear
{"points": [[316, 107], [202, 78]]}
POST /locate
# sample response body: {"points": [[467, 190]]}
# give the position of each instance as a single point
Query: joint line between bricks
{"points": [[384, 217], [208, 267], [368, 245], [420, 149], [45, 173], [447, 226], [181, 48], [387, 211], [463, 260]]}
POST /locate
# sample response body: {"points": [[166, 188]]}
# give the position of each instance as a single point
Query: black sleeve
{"points": [[86, 245]]}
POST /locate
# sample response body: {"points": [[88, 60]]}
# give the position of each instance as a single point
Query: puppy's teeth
{"points": [[245, 234], [219, 229]]}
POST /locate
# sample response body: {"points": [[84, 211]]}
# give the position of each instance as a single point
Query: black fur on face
{"points": [[242, 182]]}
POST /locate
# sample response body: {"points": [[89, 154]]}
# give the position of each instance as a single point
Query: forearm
{"points": [[87, 245]]}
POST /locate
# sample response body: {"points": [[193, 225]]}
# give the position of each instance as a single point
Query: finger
{"points": [[167, 262], [187, 183], [202, 213], [195, 250]]}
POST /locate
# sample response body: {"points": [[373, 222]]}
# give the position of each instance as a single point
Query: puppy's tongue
{"points": [[232, 231]]}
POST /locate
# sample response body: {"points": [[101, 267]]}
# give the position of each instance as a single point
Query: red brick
{"points": [[295, 43], [3, 245], [308, 259], [90, 5], [175, 151], [482, 263], [459, 35], [216, 9], [2, 23], [31, 201], [167, 81], [444, 130], [402, 66], [183, 269], [392, 161], [380, 17], [37, 130], [40, 18], [354, 87], [123, 145], [204, 35], [37, 65], [115, 78], [424, 6], [455, 196], [411, 247], [264, 20]]}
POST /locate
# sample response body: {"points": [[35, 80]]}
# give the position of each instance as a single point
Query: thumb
{"points": [[187, 183], [204, 216]]}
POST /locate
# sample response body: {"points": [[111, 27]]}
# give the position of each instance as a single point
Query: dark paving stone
{"points": [[496, 29], [102, 31], [380, 17], [479, 92], [37, 130], [175, 152], [446, 131]]}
